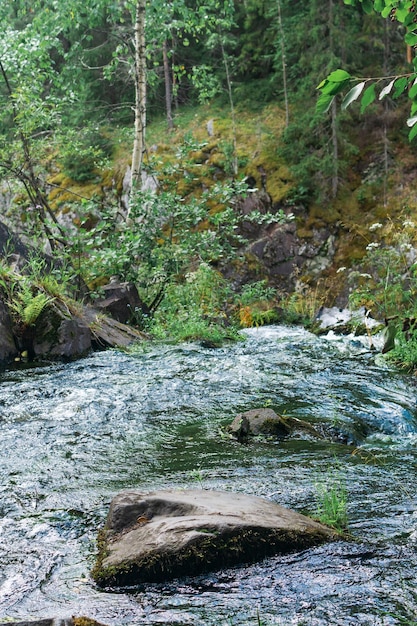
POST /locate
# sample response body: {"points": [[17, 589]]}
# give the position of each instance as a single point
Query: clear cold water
{"points": [[73, 435]]}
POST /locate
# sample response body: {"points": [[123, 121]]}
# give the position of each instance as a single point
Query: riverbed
{"points": [[74, 434]]}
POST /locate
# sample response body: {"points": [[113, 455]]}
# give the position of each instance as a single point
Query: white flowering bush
{"points": [[386, 279]]}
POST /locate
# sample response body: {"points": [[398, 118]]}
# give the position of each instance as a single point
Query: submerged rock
{"points": [[266, 422], [160, 535], [258, 422]]}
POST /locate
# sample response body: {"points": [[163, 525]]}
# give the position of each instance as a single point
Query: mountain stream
{"points": [[73, 435]]}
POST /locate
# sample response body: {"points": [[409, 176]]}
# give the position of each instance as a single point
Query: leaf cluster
{"points": [[404, 12]]}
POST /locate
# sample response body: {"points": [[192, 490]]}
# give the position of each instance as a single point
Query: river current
{"points": [[73, 435]]}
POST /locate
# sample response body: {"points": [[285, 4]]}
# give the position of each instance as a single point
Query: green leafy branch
{"points": [[338, 80], [365, 89]]}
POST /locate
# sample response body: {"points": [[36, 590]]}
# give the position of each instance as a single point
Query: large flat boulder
{"points": [[160, 535], [63, 334], [108, 332]]}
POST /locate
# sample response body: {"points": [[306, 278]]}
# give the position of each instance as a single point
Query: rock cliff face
{"points": [[278, 252]]}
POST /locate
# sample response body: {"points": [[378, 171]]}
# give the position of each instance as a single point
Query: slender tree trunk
{"points": [[409, 54], [168, 94], [284, 64], [140, 94], [333, 110], [385, 142], [232, 108], [335, 145], [174, 82]]}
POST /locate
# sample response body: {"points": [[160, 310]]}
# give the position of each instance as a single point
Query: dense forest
{"points": [[238, 162]]}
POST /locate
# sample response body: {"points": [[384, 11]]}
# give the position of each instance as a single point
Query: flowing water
{"points": [[73, 435]]}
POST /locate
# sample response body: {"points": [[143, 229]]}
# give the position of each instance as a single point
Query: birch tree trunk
{"points": [[140, 94]]}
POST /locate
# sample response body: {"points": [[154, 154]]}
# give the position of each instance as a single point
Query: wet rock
{"points": [[389, 333], [63, 334], [160, 535], [258, 422], [108, 332], [345, 321], [395, 327], [266, 422], [122, 302], [59, 334], [8, 349]]}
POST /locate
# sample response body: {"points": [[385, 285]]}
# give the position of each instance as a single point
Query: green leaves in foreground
{"points": [[400, 10], [403, 12], [332, 85], [366, 92]]}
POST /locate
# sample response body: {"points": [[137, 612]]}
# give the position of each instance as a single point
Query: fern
{"points": [[28, 307], [34, 308]]}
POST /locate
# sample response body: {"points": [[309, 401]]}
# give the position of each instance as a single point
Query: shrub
{"points": [[386, 279], [255, 304], [83, 153], [195, 309], [404, 352]]}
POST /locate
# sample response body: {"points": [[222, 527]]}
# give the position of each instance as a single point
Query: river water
{"points": [[73, 435]]}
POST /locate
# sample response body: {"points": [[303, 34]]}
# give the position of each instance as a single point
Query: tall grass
{"points": [[331, 506]]}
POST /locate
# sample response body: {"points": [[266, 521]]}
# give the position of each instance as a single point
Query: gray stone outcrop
{"points": [[59, 334], [122, 302]]}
